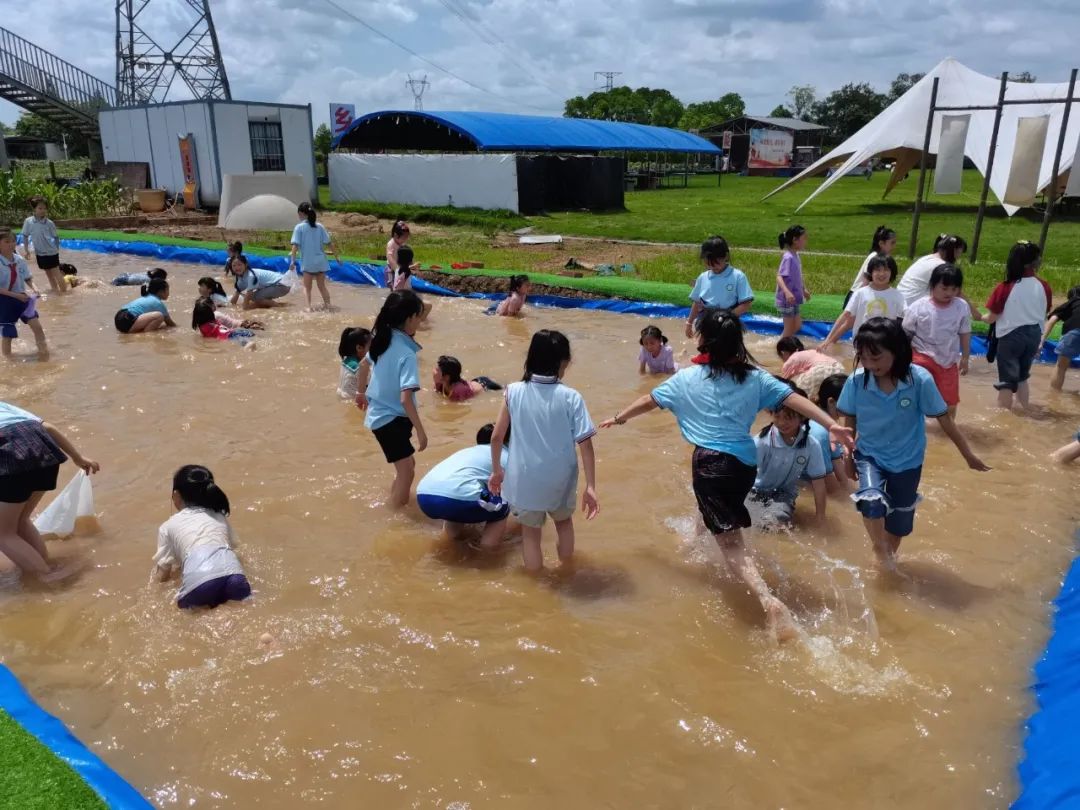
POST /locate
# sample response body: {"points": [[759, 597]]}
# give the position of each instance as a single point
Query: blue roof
{"points": [[504, 132]]}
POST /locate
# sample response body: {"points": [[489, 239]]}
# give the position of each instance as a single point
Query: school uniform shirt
{"points": [[1069, 315], [867, 303], [716, 412], [395, 371], [915, 283], [860, 277], [820, 434], [42, 236], [256, 280], [219, 299], [935, 330], [791, 272], [311, 242], [549, 420], [227, 321], [463, 476], [891, 428], [1020, 303], [14, 273], [780, 465], [147, 303], [12, 415], [725, 290], [200, 542], [663, 363]]}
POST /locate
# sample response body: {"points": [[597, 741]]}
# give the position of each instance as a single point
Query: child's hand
{"points": [[589, 504], [689, 329], [361, 401], [806, 295], [964, 364], [89, 466], [495, 483], [607, 423], [789, 296], [421, 440], [976, 463], [842, 437]]}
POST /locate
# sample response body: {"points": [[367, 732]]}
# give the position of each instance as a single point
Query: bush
{"points": [[85, 200]]}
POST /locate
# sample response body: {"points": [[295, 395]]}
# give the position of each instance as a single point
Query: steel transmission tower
{"points": [[418, 86], [145, 71], [609, 78]]}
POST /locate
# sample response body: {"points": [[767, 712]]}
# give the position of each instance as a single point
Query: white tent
{"points": [[900, 130]]}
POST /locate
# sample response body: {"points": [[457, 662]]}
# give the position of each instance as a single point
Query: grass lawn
{"points": [[32, 778]]}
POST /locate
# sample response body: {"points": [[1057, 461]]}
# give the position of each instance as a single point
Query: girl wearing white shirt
{"points": [[876, 300], [883, 243]]}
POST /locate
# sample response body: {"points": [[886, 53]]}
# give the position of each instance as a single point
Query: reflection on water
{"points": [[404, 670]]}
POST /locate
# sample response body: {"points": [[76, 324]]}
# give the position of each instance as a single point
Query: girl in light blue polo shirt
{"points": [[147, 313], [715, 406], [721, 286], [390, 397], [309, 238], [887, 402]]}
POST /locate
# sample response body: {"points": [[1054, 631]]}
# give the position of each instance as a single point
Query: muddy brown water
{"points": [[407, 672]]}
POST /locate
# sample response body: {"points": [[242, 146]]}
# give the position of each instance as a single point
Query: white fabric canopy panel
{"points": [[900, 129], [949, 174]]}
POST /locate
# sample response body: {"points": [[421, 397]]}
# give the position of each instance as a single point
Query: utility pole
{"points": [[418, 86], [609, 78]]}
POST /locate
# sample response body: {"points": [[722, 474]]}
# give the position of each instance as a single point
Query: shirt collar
{"points": [[724, 272], [901, 385], [543, 380], [412, 344]]}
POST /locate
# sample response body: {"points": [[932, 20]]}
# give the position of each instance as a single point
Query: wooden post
{"points": [[922, 171], [989, 169], [1051, 194]]}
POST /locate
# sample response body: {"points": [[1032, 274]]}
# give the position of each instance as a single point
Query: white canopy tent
{"points": [[899, 131]]}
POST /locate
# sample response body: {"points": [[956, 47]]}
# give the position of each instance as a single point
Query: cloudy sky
{"points": [[530, 55]]}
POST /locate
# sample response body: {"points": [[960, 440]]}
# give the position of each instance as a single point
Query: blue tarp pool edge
{"points": [[54, 735]]}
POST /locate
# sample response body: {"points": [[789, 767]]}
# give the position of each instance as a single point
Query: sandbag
{"points": [[76, 500]]}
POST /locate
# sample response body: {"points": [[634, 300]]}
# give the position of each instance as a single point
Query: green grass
{"points": [[487, 221], [32, 778], [65, 169]]}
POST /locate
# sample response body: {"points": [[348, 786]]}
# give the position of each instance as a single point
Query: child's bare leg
{"points": [[531, 552], [1023, 394], [565, 531], [323, 290], [952, 411], [1005, 399], [14, 547], [56, 279], [26, 528], [781, 624], [39, 339], [1067, 454], [306, 278], [5, 347], [1058, 380], [875, 529], [147, 322], [404, 470], [493, 534]]}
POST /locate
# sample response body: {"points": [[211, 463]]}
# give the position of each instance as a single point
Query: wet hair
{"points": [[654, 333], [404, 260], [398, 228], [548, 350], [398, 307], [236, 247], [37, 200], [1022, 255], [714, 249], [950, 247], [947, 275], [720, 336], [879, 335], [156, 287], [1074, 293], [157, 272], [830, 388], [790, 345], [309, 212], [483, 435], [449, 367], [203, 312], [804, 431], [213, 284], [69, 269], [881, 261], [517, 281], [352, 338], [882, 234], [788, 237], [195, 485]]}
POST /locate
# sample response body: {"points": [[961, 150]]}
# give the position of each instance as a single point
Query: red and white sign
{"points": [[341, 116], [727, 140], [770, 149]]}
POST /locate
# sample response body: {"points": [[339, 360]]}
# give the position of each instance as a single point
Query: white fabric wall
{"points": [[1023, 185], [948, 175], [468, 181]]}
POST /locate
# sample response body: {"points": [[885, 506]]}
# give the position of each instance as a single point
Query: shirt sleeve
{"points": [[699, 288], [846, 403], [325, 234], [642, 356], [669, 358], [930, 400], [965, 317], [667, 394], [996, 302], [410, 372], [583, 424], [164, 557], [295, 236], [785, 267], [772, 391], [910, 318], [815, 465], [742, 287], [391, 254], [855, 301], [1049, 295]]}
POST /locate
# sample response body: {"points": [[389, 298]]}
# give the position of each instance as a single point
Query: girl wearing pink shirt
{"points": [[940, 330], [448, 382], [807, 368]]}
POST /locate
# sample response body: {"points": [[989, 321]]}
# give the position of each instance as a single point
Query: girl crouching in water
{"points": [[199, 541], [448, 381], [715, 405]]}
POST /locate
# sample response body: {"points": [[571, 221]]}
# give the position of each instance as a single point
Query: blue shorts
{"points": [[1069, 345], [453, 510], [217, 592], [11, 312], [789, 312], [889, 495], [1015, 355]]}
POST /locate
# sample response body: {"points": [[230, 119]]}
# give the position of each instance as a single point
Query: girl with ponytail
{"points": [[791, 293], [310, 239], [199, 541], [883, 243], [390, 399]]}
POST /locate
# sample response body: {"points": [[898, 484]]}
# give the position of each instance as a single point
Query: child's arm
{"points": [[641, 367], [502, 424], [292, 256], [408, 402], [844, 436], [789, 296], [695, 310], [65, 444], [849, 458], [642, 404], [953, 432], [333, 251], [820, 497], [589, 504], [965, 352], [1067, 454], [169, 321], [743, 308], [17, 296], [843, 323], [1051, 322], [362, 375]]}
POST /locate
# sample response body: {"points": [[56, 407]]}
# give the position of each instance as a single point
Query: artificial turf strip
{"points": [[33, 778]]}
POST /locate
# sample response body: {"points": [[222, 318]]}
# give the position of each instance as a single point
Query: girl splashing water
{"points": [[715, 405]]}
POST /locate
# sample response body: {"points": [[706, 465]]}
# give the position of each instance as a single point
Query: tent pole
{"points": [[1050, 197], [989, 169], [922, 171]]}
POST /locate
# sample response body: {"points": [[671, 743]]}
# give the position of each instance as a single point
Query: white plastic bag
{"points": [[75, 501]]}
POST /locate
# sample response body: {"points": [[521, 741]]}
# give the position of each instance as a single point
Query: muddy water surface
{"points": [[407, 672]]}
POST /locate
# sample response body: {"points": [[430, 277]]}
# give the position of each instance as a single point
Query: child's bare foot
{"points": [[61, 571], [782, 626], [43, 355]]}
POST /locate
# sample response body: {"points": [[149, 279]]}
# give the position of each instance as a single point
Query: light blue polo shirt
{"points": [[311, 242], [725, 290], [11, 415], [462, 476], [780, 465], [147, 303], [258, 280], [717, 412], [828, 454], [395, 371], [891, 428]]}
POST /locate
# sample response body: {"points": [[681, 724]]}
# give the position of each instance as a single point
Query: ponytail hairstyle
{"points": [[720, 336], [516, 282], [548, 351], [950, 247], [306, 209], [157, 274], [404, 260], [715, 249], [449, 367], [947, 275], [885, 334], [213, 284], [654, 333], [881, 261], [830, 388], [789, 345], [236, 248], [398, 307], [1022, 256], [202, 313], [352, 338], [788, 237], [883, 234], [804, 431], [399, 228], [195, 486], [156, 287]]}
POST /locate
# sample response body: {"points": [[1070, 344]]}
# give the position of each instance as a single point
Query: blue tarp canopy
{"points": [[504, 132]]}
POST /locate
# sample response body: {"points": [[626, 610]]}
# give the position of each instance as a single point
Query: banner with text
{"points": [[341, 116], [771, 149]]}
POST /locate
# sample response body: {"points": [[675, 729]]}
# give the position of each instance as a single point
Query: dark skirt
{"points": [[27, 447]]}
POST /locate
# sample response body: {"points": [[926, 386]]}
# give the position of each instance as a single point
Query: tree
{"points": [[704, 114], [902, 83], [849, 109], [780, 111], [322, 140], [1024, 77], [642, 106], [803, 97], [34, 126]]}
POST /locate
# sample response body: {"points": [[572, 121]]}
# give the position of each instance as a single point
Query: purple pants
{"points": [[216, 591]]}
